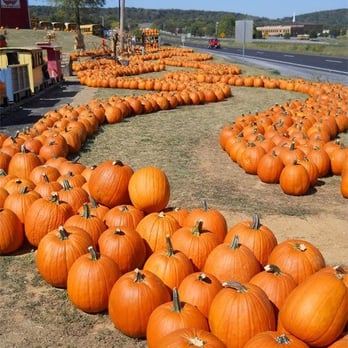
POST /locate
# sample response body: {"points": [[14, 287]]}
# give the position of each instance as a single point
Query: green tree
{"points": [[227, 25], [76, 6]]}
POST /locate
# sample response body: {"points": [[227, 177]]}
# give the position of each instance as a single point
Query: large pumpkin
{"points": [[44, 216], [108, 183], [90, 280], [275, 339], [239, 312], [58, 250], [133, 298], [149, 189], [11, 232], [316, 311], [297, 257]]}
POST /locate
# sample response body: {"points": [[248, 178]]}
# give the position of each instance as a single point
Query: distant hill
{"points": [[172, 19]]}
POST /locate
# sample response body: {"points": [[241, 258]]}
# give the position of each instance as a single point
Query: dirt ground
{"points": [[185, 145]]}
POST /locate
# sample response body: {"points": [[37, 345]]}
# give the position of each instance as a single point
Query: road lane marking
{"points": [[333, 61]]}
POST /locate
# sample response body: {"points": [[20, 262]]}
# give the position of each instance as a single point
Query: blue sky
{"points": [[263, 8]]}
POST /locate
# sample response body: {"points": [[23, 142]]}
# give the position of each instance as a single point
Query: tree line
{"points": [[195, 22]]}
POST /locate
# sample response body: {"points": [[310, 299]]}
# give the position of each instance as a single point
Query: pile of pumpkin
{"points": [[183, 274], [296, 143]]}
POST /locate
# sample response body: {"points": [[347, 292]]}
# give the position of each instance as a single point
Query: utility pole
{"points": [[122, 10]]}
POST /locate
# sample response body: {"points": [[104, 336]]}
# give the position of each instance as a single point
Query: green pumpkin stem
{"points": [[45, 178], [176, 301], [94, 254], [94, 203], [24, 190], [2, 172], [54, 198], [66, 185]]}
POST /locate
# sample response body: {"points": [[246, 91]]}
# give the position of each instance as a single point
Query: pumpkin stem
{"points": [[176, 301], [197, 228], [300, 246], [66, 185], [45, 178], [76, 159], [204, 205], [24, 190], [54, 198], [2, 172], [339, 269], [119, 231], [283, 339], [202, 277], [94, 203], [170, 250], [124, 208], [272, 269], [23, 149], [139, 277], [117, 163], [256, 224], [94, 254], [196, 342], [86, 212], [63, 233], [235, 242], [235, 285]]}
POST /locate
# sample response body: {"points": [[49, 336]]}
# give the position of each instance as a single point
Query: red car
{"points": [[214, 43]]}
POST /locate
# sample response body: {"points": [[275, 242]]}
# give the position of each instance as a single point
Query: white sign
{"points": [[10, 4], [244, 31]]}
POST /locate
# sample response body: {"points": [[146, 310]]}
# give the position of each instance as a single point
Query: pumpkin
{"points": [[232, 261], [341, 342], [92, 224], [190, 337], [257, 237], [276, 284], [123, 215], [171, 316], [135, 295], [316, 311], [154, 228], [170, 265], [294, 179], [269, 168], [20, 202], [213, 220], [124, 245], [11, 232], [75, 196], [178, 212], [46, 187], [22, 163], [240, 311], [297, 257], [149, 189], [44, 216], [3, 195], [108, 183], [90, 280], [58, 250], [275, 339], [199, 289], [95, 208], [195, 242]]}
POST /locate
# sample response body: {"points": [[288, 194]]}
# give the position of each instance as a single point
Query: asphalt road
{"points": [[313, 67]]}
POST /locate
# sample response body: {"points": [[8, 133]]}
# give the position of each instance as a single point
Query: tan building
{"points": [[293, 30]]}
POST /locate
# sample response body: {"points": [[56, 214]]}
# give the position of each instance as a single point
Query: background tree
{"points": [[227, 25], [76, 6]]}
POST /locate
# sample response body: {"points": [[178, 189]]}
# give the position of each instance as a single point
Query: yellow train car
{"points": [[30, 57]]}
